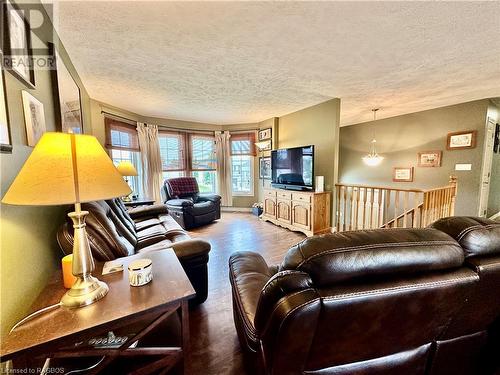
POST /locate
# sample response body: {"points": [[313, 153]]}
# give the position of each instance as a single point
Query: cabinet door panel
{"points": [[283, 211], [270, 207], [301, 216]]}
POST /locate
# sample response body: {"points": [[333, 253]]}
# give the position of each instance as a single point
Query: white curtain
{"points": [[150, 160], [223, 154]]}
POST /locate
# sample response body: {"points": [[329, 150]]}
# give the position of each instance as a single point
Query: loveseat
{"points": [[389, 301], [187, 206], [116, 232]]}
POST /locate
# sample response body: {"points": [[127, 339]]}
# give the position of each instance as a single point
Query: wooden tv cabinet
{"points": [[301, 211]]}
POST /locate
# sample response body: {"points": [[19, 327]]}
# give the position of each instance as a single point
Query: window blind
{"points": [[120, 135], [202, 152], [172, 150], [243, 144]]}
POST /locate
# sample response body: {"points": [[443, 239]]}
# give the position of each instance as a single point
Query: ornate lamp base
{"points": [[86, 289]]}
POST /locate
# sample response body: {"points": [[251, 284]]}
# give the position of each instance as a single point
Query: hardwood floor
{"points": [[214, 344]]}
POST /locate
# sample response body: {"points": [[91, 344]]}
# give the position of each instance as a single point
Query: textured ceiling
{"points": [[235, 62]]}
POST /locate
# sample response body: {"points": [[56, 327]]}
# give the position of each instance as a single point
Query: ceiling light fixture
{"points": [[373, 159]]}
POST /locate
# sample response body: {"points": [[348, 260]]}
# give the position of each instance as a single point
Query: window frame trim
{"points": [[252, 181]]}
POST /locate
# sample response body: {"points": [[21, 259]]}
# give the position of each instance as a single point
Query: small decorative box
{"points": [[140, 272]]}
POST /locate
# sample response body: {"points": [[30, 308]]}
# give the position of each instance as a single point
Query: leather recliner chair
{"points": [[389, 301], [115, 232], [187, 206]]}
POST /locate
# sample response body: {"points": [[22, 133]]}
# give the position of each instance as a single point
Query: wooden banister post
{"points": [[454, 183]]}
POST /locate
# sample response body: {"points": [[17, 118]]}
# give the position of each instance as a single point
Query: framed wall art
{"points": [[265, 168], [402, 174], [17, 42], [5, 139], [265, 134], [496, 142], [34, 118], [461, 140], [429, 158], [67, 100]]}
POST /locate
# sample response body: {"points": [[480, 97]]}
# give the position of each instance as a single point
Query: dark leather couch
{"points": [[187, 206], [116, 232], [389, 301]]}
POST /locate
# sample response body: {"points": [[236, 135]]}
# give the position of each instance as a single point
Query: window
{"points": [[123, 145], [172, 151], [189, 154], [242, 163]]}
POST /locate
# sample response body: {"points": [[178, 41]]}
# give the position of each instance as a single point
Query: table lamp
{"points": [[70, 169], [126, 169]]}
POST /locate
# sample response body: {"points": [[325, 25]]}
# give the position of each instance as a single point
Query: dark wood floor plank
{"points": [[214, 344]]}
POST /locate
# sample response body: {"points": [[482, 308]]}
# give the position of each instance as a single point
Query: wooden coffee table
{"points": [[65, 333]]}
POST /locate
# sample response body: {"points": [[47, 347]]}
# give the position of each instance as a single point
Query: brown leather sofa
{"points": [[116, 232], [389, 301]]}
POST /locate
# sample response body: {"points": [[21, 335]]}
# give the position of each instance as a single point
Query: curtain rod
{"points": [[118, 116]]}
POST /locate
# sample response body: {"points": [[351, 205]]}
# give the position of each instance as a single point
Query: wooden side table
{"points": [[139, 202], [72, 333]]}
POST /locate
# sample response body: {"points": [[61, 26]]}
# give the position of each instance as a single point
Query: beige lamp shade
{"points": [[263, 144], [126, 168], [65, 169]]}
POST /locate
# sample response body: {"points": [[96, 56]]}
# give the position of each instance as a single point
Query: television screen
{"points": [[293, 166]]}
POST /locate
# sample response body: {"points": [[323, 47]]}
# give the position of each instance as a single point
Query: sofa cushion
{"points": [[202, 208], [477, 236], [358, 255], [147, 223]]}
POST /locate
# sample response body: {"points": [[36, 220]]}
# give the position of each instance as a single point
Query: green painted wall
{"points": [[400, 138], [29, 252]]}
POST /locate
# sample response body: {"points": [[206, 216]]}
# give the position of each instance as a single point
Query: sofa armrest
{"points": [[142, 212], [248, 273], [191, 248], [209, 197], [179, 203]]}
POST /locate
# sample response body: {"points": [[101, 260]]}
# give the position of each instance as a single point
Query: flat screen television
{"points": [[293, 168]]}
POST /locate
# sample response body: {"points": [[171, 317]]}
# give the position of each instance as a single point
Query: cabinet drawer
{"points": [[270, 193], [306, 198], [284, 195]]}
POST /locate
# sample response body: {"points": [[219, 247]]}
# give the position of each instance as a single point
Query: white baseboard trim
{"points": [[236, 209]]}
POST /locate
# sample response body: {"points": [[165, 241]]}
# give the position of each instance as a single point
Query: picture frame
{"points": [[265, 172], [269, 146], [265, 134], [67, 97], [461, 140], [429, 158], [5, 137], [17, 44], [34, 118], [402, 174]]}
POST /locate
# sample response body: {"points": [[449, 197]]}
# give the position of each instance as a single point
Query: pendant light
{"points": [[373, 159]]}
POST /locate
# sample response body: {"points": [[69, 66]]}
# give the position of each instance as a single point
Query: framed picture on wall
{"points": [[265, 134], [461, 140], [265, 168], [5, 140], [402, 174], [429, 158], [34, 118], [68, 109], [17, 43]]}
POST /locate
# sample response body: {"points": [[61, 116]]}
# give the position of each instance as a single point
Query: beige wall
{"points": [[317, 125], [29, 252], [400, 138]]}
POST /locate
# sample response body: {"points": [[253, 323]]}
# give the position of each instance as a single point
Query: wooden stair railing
{"points": [[370, 207]]}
